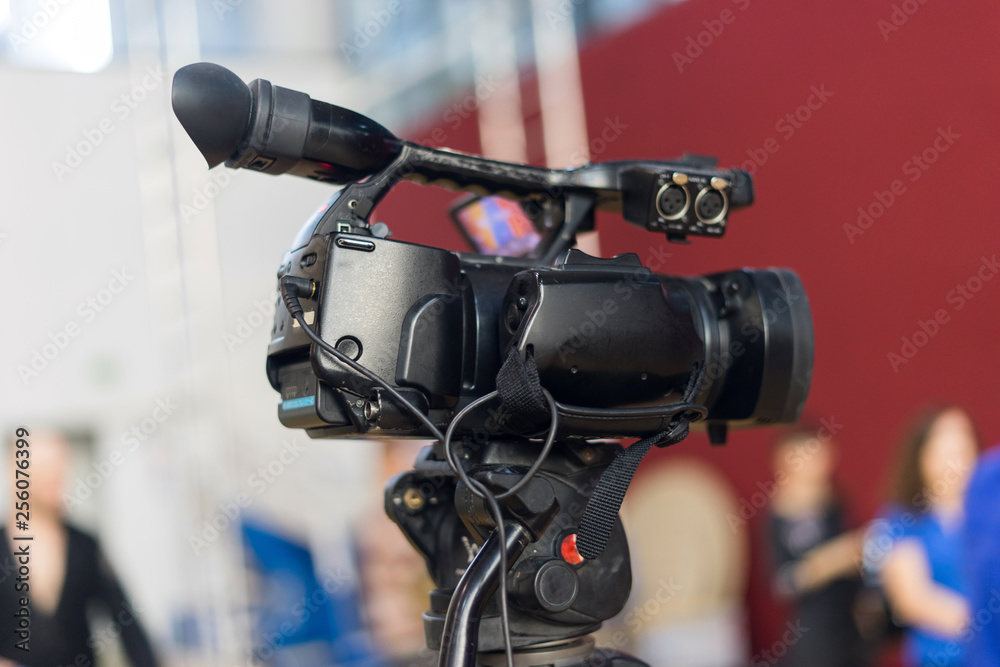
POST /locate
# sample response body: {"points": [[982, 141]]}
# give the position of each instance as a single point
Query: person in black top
{"points": [[815, 560], [67, 573]]}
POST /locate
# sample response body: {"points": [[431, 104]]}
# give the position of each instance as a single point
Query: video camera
{"points": [[612, 341], [381, 337]]}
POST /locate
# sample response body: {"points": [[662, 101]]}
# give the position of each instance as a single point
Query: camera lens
{"points": [[759, 355]]}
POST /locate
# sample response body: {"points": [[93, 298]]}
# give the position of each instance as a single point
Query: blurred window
{"points": [[408, 54], [66, 35]]}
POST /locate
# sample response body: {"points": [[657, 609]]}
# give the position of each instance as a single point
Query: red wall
{"points": [[891, 95]]}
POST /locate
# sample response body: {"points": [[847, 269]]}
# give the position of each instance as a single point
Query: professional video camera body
{"points": [[503, 352]]}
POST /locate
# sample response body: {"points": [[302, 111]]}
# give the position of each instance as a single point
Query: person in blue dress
{"points": [[982, 563], [922, 572]]}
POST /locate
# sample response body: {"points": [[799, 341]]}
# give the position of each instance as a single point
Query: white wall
{"points": [[189, 282]]}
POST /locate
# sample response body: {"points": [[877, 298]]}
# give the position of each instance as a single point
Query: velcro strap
{"points": [[602, 509], [522, 404]]}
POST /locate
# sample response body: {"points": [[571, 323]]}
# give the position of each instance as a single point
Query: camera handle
{"points": [[350, 211], [460, 640]]}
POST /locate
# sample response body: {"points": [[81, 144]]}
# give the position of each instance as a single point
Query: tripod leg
{"points": [[460, 640]]}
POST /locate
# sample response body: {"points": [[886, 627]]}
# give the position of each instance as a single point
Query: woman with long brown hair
{"points": [[922, 573]]}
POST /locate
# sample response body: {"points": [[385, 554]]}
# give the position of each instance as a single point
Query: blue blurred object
{"points": [[982, 550], [943, 547], [304, 620]]}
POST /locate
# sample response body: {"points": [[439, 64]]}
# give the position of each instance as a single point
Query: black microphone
{"points": [[277, 130]]}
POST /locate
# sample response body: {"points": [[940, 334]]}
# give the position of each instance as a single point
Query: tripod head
{"points": [[555, 594]]}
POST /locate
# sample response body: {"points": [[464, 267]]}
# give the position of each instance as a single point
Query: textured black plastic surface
{"points": [[214, 106]]}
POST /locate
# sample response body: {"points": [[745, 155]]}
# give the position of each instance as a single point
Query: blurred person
{"points": [[690, 568], [982, 563], [922, 571], [68, 572], [815, 557]]}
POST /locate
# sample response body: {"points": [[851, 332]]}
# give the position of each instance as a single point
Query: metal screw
{"points": [[413, 499]]}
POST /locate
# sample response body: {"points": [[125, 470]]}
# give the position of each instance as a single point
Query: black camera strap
{"points": [[522, 403], [602, 509], [523, 406]]}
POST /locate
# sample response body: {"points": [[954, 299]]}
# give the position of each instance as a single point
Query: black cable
{"points": [[480, 490], [539, 460], [347, 361], [292, 303]]}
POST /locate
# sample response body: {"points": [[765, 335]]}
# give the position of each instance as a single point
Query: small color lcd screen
{"points": [[497, 226]]}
